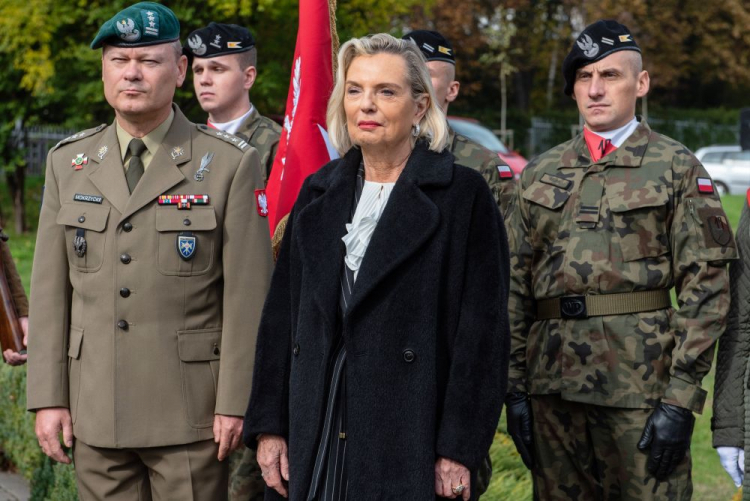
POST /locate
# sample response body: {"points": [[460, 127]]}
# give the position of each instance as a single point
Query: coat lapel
{"points": [[163, 171], [107, 173]]}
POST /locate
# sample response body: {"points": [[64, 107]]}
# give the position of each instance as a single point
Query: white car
{"points": [[728, 166]]}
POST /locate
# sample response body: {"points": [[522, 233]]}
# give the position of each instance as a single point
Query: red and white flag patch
{"points": [[261, 202], [505, 172], [705, 185]]}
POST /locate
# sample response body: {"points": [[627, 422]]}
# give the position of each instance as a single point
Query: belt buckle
{"points": [[572, 307]]}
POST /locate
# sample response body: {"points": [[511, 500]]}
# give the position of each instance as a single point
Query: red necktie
{"points": [[598, 146], [208, 122]]}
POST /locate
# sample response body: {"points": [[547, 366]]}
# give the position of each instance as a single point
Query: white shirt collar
{"points": [[618, 136], [232, 126]]}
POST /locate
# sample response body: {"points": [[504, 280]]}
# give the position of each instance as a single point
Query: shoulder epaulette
{"points": [[227, 138], [79, 135]]}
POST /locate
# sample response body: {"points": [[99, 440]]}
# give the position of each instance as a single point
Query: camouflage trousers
{"points": [[245, 482], [588, 452]]}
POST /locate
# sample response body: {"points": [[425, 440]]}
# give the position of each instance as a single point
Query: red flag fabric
{"points": [[303, 145]]}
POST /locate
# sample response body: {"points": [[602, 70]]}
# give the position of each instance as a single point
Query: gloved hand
{"points": [[518, 414], [668, 432], [733, 460]]}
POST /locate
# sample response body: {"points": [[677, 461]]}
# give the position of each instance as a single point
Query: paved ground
{"points": [[13, 487]]}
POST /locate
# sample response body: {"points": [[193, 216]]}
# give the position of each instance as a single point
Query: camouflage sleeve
{"points": [[521, 304], [502, 189], [701, 243]]}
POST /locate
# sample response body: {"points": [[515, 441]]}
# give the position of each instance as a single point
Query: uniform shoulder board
{"points": [[228, 138], [80, 135]]}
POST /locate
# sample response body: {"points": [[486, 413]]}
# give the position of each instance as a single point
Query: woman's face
{"points": [[380, 110]]}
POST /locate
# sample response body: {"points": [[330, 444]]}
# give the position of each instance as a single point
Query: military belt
{"points": [[576, 307]]}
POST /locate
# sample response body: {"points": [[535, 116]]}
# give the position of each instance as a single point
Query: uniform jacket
{"points": [[731, 419], [426, 330], [475, 156], [263, 134], [20, 300], [634, 221], [188, 341]]}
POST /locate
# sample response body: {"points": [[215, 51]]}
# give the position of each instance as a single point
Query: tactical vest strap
{"points": [[574, 307]]}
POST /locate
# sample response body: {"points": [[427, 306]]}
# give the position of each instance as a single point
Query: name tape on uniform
{"points": [[92, 199]]}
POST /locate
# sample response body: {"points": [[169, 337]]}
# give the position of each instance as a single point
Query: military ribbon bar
{"points": [[183, 201]]}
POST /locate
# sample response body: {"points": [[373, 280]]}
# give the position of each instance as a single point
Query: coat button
{"points": [[216, 349], [125, 292], [186, 222], [82, 219], [122, 324], [409, 356], [295, 350], [127, 227], [125, 258]]}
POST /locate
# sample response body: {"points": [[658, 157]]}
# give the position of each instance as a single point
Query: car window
{"points": [[714, 157], [480, 134], [738, 155]]}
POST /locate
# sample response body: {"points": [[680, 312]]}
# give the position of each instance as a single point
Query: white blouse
{"points": [[372, 202]]}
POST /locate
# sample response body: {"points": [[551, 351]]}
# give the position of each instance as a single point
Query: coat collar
{"points": [[408, 221], [629, 154]]}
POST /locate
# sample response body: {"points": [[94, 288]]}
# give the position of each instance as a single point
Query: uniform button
{"points": [[296, 349], [216, 349], [125, 258], [82, 219], [409, 356], [127, 226], [125, 292], [186, 222], [122, 324]]}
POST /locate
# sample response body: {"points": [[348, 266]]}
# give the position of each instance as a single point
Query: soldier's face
{"points": [[606, 91], [380, 109], [446, 87], [139, 82], [221, 86]]}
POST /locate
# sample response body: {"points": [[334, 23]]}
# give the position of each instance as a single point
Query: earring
{"points": [[415, 130]]}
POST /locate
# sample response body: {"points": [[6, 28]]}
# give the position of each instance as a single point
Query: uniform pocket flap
{"points": [[195, 219], [199, 345], [82, 215], [75, 340], [628, 198], [546, 195]]}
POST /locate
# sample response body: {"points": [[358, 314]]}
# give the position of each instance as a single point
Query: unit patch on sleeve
{"points": [[705, 185]]}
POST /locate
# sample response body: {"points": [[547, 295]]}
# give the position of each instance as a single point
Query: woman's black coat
{"points": [[426, 330]]}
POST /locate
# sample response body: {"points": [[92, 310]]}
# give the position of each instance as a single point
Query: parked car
{"points": [[477, 132], [728, 166]]}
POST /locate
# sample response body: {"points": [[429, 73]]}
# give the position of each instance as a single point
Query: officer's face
{"points": [[221, 86], [378, 102], [446, 87], [139, 82], [606, 91]]}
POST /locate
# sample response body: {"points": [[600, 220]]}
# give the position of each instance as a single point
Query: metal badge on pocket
{"points": [[186, 245], [79, 242]]}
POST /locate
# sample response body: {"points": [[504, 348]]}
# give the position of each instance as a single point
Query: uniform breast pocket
{"points": [[639, 218], [186, 240], [547, 202], [85, 238]]}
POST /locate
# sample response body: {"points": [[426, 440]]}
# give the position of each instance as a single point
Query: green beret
{"points": [[145, 23]]}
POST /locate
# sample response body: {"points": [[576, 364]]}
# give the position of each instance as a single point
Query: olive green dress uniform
{"points": [[263, 134], [20, 300], [621, 232], [142, 345]]}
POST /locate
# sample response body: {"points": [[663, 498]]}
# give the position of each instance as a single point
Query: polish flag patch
{"points": [[705, 185], [261, 202], [505, 172]]}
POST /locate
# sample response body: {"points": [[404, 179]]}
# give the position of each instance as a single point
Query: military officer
{"points": [[605, 373], [225, 64], [441, 63], [20, 301], [150, 271]]}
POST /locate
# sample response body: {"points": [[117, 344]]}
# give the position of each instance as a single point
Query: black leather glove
{"points": [[518, 414], [668, 432]]}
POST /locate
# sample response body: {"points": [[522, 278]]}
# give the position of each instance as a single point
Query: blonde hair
{"points": [[433, 125]]}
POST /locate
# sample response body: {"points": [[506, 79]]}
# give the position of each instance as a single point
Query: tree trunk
{"points": [[503, 98], [552, 73]]}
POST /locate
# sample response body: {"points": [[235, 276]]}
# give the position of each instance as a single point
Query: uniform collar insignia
{"points": [[102, 151]]}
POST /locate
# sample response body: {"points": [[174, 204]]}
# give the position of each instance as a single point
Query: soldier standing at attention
{"points": [[224, 70], [150, 273], [441, 62], [605, 374]]}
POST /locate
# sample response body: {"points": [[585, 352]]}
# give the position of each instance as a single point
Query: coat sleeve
{"points": [[476, 382], [268, 409], [247, 267], [701, 244], [47, 383], [20, 300], [729, 387]]}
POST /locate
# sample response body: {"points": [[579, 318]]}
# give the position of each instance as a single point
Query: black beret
{"points": [[596, 42], [218, 39], [433, 45]]}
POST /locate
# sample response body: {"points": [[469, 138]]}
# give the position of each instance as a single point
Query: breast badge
{"points": [[79, 161], [186, 245], [205, 161]]}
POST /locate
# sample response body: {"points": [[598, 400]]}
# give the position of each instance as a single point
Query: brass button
{"points": [[125, 258], [127, 227], [122, 324]]}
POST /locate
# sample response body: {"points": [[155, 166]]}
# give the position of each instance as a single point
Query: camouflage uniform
{"points": [[263, 134], [471, 154], [633, 221]]}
